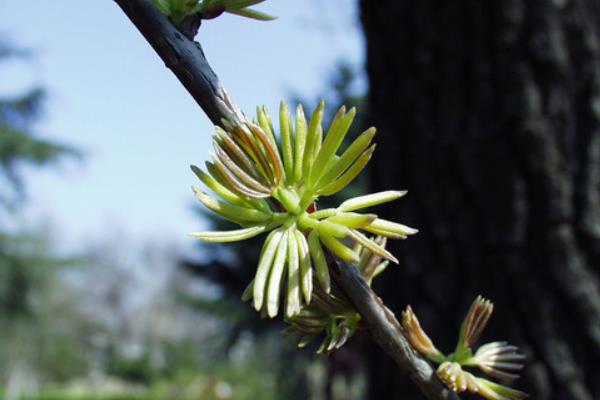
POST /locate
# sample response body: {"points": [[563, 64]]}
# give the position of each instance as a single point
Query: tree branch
{"points": [[184, 58], [387, 332], [187, 61]]}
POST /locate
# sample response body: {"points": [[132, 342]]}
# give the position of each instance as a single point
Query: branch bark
{"points": [[387, 332], [184, 58], [187, 61]]}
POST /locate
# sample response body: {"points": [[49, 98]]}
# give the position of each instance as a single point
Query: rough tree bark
{"points": [[492, 111]]}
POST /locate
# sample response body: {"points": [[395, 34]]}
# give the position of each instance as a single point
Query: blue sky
{"points": [[112, 97]]}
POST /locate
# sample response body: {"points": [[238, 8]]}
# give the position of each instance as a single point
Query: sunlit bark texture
{"points": [[489, 114]]}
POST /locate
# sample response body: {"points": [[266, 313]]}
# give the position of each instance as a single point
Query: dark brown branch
{"points": [[184, 57], [387, 332], [187, 61]]}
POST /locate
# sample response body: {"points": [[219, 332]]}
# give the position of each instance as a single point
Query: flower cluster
{"points": [[178, 10], [331, 313], [497, 359], [265, 184]]}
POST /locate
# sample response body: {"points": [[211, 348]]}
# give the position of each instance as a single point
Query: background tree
{"points": [[34, 334], [488, 116], [19, 144]]}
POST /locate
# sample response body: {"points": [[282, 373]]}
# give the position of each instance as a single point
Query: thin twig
{"points": [[187, 61]]}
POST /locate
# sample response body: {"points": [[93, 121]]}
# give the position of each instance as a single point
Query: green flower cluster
{"points": [[178, 10], [265, 184], [497, 359]]}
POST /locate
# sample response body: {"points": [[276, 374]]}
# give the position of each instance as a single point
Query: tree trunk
{"points": [[489, 114]]}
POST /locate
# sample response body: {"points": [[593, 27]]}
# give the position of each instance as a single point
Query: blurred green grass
{"points": [[223, 380], [65, 396]]}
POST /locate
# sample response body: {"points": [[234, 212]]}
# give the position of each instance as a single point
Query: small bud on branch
{"points": [[496, 359]]}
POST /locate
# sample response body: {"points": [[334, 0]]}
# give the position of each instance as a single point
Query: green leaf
{"points": [[247, 295], [305, 266], [330, 228], [300, 145], [318, 257], [380, 268], [265, 123], [313, 138], [249, 13], [372, 246], [492, 390], [217, 188], [338, 130], [241, 3], [339, 249], [350, 174], [324, 213], [293, 284], [285, 126], [229, 236], [288, 199], [353, 220], [371, 200], [276, 276], [390, 229], [350, 156], [264, 267], [229, 211]]}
